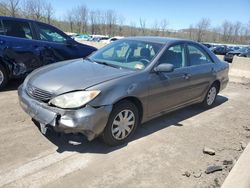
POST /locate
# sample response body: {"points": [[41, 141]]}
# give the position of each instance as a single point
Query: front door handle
{"points": [[2, 42], [186, 76]]}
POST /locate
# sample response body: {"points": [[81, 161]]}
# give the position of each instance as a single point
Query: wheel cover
{"points": [[1, 77], [123, 124], [211, 95]]}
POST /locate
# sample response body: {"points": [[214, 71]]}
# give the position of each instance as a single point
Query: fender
{"points": [[128, 86]]}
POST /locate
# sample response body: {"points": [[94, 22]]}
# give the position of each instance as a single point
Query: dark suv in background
{"points": [[26, 45], [221, 50]]}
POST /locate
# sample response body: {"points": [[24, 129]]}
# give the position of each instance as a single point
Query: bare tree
{"points": [[132, 29], [34, 9], [190, 31], [3, 8], [215, 34], [10, 7], [99, 19], [93, 21], [83, 15], [225, 27], [80, 17], [142, 26], [228, 31], [49, 11], [164, 24], [121, 21], [111, 20], [70, 19], [156, 29], [202, 27]]}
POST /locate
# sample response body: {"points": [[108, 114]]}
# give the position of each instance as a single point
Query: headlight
{"points": [[74, 100]]}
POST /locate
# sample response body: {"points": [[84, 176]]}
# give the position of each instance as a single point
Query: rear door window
{"points": [[18, 29], [197, 56], [50, 34]]}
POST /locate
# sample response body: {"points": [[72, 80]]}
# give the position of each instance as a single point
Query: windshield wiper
{"points": [[107, 64], [103, 63]]}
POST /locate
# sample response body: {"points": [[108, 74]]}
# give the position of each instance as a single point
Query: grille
{"points": [[38, 94]]}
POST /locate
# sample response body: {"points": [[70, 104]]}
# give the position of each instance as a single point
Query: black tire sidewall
{"points": [[107, 133], [3, 84]]}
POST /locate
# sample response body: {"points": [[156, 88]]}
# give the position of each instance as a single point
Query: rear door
{"points": [[202, 70], [18, 48]]}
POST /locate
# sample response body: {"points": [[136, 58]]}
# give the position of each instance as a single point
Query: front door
{"points": [[53, 44], [170, 89]]}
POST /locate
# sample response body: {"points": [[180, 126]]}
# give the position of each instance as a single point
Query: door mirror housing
{"points": [[70, 42], [164, 68]]}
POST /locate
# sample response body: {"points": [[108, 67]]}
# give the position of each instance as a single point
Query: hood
{"points": [[73, 75]]}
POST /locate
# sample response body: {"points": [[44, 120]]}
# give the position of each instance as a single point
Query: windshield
{"points": [[130, 54]]}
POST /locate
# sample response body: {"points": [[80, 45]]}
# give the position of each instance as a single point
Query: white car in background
{"points": [[112, 39]]}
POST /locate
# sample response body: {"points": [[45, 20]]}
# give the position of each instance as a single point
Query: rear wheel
{"points": [[3, 77], [122, 123], [211, 96]]}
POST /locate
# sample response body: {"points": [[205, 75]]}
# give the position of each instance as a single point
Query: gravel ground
{"points": [[164, 153]]}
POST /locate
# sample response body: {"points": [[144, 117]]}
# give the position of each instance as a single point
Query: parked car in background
{"points": [[98, 39], [26, 45], [126, 83], [112, 39], [221, 50], [236, 48], [81, 37], [246, 53], [207, 45], [242, 52]]}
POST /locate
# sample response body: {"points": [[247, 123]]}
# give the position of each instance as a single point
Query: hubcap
{"points": [[211, 95], [1, 77], [123, 124]]}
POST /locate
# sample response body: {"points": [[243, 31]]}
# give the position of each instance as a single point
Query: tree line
{"points": [[81, 19]]}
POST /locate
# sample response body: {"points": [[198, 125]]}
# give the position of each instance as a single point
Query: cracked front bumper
{"points": [[88, 120]]}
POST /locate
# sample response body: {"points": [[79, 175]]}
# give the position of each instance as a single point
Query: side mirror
{"points": [[164, 68], [70, 42]]}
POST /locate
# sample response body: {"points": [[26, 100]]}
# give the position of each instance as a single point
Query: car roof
{"points": [[20, 19], [161, 40]]}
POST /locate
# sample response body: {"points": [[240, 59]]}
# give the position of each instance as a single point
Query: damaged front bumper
{"points": [[88, 120]]}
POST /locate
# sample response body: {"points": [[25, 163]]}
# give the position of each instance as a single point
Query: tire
{"points": [[117, 130], [211, 95], [3, 77]]}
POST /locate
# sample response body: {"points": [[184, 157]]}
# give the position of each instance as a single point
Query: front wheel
{"points": [[3, 77], [122, 123], [210, 96]]}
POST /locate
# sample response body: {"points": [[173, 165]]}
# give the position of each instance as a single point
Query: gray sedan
{"points": [[121, 86]]}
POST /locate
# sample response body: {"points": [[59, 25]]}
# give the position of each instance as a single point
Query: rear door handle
{"points": [[2, 42], [213, 70]]}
